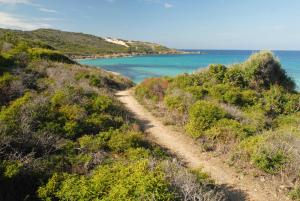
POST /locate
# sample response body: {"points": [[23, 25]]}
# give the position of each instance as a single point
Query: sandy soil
{"points": [[238, 187]]}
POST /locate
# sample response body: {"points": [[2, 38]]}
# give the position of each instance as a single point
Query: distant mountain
{"points": [[85, 45]]}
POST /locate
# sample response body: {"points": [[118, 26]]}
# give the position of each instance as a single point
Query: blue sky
{"points": [[198, 24]]}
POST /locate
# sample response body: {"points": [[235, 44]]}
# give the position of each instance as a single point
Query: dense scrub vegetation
{"points": [[248, 111], [64, 135], [83, 44]]}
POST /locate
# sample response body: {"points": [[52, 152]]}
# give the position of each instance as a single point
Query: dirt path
{"points": [[238, 187]]}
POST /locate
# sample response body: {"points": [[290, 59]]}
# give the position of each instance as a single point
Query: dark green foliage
{"points": [[270, 162], [5, 62], [7, 90], [47, 54]]}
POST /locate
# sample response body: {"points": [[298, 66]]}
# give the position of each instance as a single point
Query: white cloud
{"points": [[8, 20], [46, 10], [168, 5], [160, 2]]}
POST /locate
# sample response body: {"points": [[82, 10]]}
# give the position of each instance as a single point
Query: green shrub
{"points": [[7, 91], [5, 61], [227, 130], [152, 89], [217, 91], [59, 98], [274, 101], [217, 72], [175, 103], [121, 141], [203, 115], [72, 129], [198, 92], [292, 104], [235, 76], [5, 79], [116, 181], [9, 116], [96, 81], [48, 191], [264, 70], [47, 54], [250, 145], [11, 168], [95, 143], [270, 161], [249, 97], [137, 153], [96, 123], [102, 103], [287, 121], [233, 96], [255, 118], [72, 112], [295, 194], [182, 81]]}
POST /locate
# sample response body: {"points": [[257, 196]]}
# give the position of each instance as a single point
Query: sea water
{"points": [[138, 68]]}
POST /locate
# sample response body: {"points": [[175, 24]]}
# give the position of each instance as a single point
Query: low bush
{"points": [[249, 97], [7, 90], [116, 181], [47, 54], [152, 89], [295, 194], [235, 76], [198, 92], [10, 117], [270, 161], [227, 130], [121, 141], [178, 100], [174, 103], [217, 72], [264, 70], [269, 151], [202, 116]]}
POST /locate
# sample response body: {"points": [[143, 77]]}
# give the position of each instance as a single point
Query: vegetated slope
{"points": [[64, 135], [79, 44], [237, 186], [248, 113]]}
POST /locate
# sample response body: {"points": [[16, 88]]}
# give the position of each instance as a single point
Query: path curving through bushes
{"points": [[238, 187]]}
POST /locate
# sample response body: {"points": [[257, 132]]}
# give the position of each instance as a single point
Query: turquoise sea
{"points": [[140, 67]]}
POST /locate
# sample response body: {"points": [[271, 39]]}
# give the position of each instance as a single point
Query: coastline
{"points": [[122, 55]]}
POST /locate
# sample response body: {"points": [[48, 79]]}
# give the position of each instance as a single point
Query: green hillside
{"points": [[79, 44], [248, 113], [65, 136]]}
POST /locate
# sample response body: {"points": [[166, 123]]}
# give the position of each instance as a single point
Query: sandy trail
{"points": [[237, 187]]}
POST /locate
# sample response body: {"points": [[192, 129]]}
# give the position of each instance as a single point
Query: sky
{"points": [[182, 24]]}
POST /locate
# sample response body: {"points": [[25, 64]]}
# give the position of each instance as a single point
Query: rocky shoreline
{"points": [[119, 55]]}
